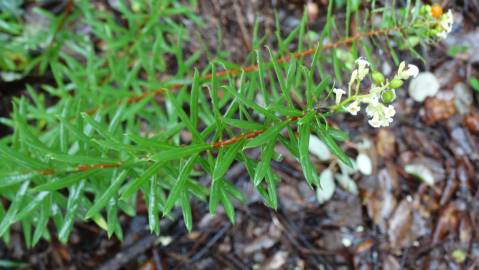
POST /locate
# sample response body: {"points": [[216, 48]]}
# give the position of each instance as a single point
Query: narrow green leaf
{"points": [[224, 160], [215, 193], [285, 111], [66, 181], [332, 145], [150, 144], [27, 233], [113, 224], [116, 119], [280, 78], [195, 89], [318, 91], [186, 209], [31, 206], [153, 218], [135, 184], [20, 159], [79, 159], [262, 87], [234, 191], [9, 217], [271, 179], [100, 128], [107, 194], [180, 152], [179, 186], [13, 264], [303, 146], [184, 118], [268, 135], [475, 84], [41, 224], [228, 206], [76, 132], [72, 208], [265, 164], [246, 125], [250, 104], [338, 134], [10, 179]]}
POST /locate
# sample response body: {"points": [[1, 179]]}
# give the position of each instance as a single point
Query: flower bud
{"points": [[388, 96], [435, 31], [396, 83], [377, 77], [426, 9], [436, 10]]}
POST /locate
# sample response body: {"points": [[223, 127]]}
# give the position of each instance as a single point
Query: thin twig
{"points": [[139, 247], [218, 235]]}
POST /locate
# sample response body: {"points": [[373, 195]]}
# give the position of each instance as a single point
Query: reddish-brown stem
{"points": [[248, 135], [247, 69], [235, 139], [252, 68], [217, 144], [82, 168]]}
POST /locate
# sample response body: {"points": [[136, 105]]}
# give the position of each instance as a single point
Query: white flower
{"points": [[353, 108], [375, 122], [361, 71], [381, 115], [389, 111], [375, 90], [362, 62], [386, 121], [411, 71], [447, 21], [369, 99], [442, 34], [374, 108], [354, 76], [339, 93]]}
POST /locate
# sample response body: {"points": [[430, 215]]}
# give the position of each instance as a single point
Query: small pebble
{"points": [[423, 86]]}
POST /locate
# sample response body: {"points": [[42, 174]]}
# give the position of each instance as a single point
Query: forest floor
{"points": [[394, 222]]}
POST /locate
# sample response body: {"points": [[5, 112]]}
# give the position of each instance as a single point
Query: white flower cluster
{"points": [[379, 113], [446, 22]]}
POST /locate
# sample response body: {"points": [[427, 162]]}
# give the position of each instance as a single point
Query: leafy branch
{"points": [[66, 161]]}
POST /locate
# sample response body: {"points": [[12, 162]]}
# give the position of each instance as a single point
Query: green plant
{"points": [[475, 84], [115, 132]]}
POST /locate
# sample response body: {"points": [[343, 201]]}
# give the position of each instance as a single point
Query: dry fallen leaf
{"points": [[447, 222], [438, 110], [382, 202], [400, 225], [420, 171], [471, 122], [391, 263], [364, 246], [386, 142]]}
